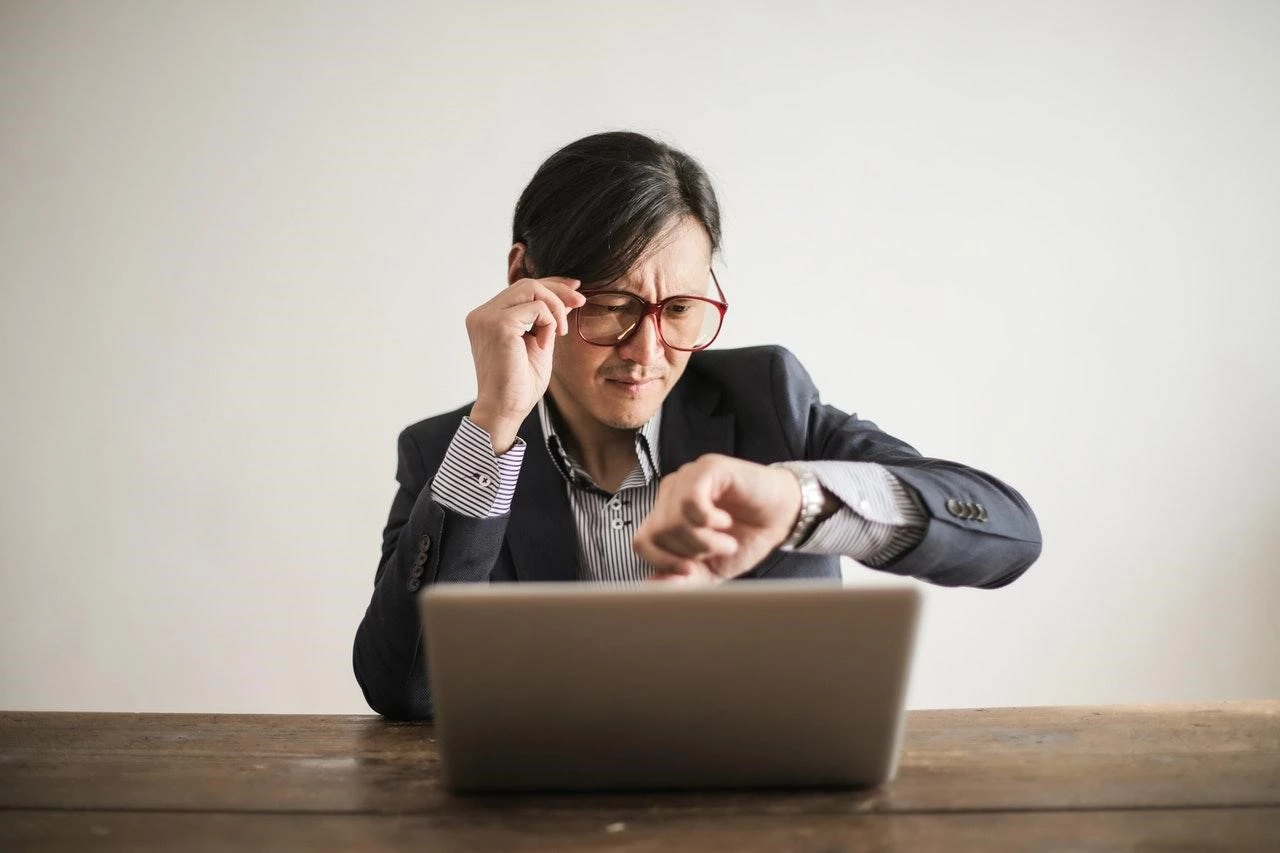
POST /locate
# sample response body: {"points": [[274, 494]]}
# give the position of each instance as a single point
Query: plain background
{"points": [[238, 239]]}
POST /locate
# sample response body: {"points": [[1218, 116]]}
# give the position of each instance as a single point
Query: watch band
{"points": [[811, 502]]}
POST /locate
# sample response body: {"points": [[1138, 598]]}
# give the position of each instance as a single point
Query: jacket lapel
{"points": [[540, 533], [691, 426]]}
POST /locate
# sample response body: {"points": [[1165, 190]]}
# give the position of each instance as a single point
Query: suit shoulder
{"points": [[432, 435], [757, 368], [732, 362]]}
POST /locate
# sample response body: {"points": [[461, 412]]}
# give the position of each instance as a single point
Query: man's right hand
{"points": [[512, 339]]}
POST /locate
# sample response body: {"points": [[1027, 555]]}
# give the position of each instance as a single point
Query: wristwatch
{"points": [[811, 502]]}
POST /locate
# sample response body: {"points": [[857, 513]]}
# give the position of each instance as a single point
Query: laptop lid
{"points": [[577, 686]]}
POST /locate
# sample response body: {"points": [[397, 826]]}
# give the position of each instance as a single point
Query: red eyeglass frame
{"points": [[654, 310]]}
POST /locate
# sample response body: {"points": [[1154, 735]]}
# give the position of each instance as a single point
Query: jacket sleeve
{"points": [[979, 532], [423, 543]]}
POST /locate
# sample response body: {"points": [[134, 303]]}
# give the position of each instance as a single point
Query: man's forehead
{"points": [[684, 273], [694, 282]]}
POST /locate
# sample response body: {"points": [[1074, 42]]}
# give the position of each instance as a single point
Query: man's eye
{"points": [[606, 306]]}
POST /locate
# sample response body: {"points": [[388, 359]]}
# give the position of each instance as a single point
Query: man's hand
{"points": [[512, 338], [717, 517]]}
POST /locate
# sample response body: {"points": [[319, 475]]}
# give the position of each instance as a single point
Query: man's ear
{"points": [[516, 266]]}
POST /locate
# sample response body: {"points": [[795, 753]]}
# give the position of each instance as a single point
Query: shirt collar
{"points": [[646, 446]]}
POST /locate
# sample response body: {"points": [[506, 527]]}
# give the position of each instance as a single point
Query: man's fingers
{"points": [[668, 546], [566, 289], [560, 295], [544, 332], [699, 511], [661, 559], [560, 312], [566, 292], [696, 542], [533, 316], [671, 573], [527, 304], [561, 280], [699, 504], [538, 307], [689, 574]]}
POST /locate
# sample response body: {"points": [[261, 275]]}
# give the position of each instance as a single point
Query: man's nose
{"points": [[645, 346]]}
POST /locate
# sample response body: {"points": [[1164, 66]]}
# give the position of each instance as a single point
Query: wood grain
{"points": [[1177, 830], [1225, 754], [1176, 777]]}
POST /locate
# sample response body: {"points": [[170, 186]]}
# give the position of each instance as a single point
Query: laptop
{"points": [[588, 687]]}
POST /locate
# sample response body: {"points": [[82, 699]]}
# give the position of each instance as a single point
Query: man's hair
{"points": [[596, 206]]}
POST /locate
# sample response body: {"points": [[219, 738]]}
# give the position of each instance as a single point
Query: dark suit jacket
{"points": [[757, 404]]}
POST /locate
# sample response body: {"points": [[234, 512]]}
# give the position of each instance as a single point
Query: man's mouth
{"points": [[632, 383]]}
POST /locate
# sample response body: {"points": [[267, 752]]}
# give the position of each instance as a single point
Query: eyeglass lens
{"points": [[684, 322]]}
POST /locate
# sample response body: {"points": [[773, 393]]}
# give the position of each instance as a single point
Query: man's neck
{"points": [[606, 463], [607, 454]]}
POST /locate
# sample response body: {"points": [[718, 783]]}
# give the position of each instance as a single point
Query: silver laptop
{"points": [[575, 686]]}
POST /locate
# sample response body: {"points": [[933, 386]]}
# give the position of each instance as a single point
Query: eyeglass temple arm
{"points": [[719, 291]]}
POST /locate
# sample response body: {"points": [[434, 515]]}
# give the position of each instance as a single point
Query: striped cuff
{"points": [[879, 520], [472, 480]]}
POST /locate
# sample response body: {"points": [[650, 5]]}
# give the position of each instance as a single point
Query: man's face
{"points": [[622, 387]]}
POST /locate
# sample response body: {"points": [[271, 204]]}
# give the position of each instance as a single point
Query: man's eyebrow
{"points": [[632, 291], [618, 284]]}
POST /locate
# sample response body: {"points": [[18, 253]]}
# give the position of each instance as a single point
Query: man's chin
{"points": [[632, 417]]}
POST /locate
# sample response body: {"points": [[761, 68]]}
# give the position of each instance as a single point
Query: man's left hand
{"points": [[717, 517]]}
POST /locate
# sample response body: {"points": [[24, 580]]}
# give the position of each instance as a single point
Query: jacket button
{"points": [[414, 583], [982, 512], [955, 507], [417, 571]]}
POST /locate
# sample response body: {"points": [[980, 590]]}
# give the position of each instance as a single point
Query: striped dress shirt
{"points": [[878, 520]]}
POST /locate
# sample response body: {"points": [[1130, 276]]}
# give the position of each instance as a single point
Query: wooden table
{"points": [[1176, 777]]}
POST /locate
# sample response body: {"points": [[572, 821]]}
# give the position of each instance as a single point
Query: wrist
{"points": [[502, 430]]}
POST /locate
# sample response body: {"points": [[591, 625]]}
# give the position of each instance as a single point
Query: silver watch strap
{"points": [[811, 501]]}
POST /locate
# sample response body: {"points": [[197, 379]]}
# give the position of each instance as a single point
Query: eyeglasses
{"points": [[690, 323]]}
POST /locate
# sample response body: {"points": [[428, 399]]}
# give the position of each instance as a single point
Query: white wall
{"points": [[237, 241]]}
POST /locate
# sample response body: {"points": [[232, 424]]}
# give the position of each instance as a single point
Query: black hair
{"points": [[596, 206]]}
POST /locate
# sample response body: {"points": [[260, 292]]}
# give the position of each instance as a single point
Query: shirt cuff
{"points": [[879, 520], [474, 481]]}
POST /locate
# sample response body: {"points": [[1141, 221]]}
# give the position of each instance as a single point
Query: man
{"points": [[606, 443]]}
